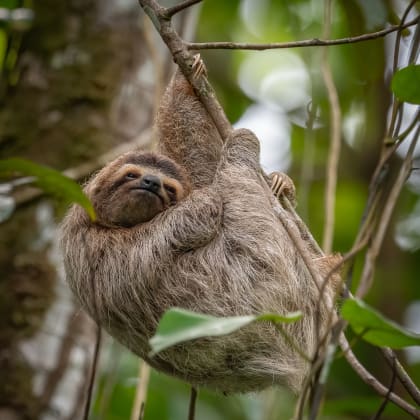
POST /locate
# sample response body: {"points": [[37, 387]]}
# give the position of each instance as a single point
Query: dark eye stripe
{"points": [[170, 189], [131, 175]]}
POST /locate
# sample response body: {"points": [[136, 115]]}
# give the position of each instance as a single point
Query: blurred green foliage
{"points": [[16, 17]]}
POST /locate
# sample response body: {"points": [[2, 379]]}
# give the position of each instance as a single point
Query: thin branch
{"points": [[398, 40], [158, 68], [330, 193], [386, 400], [411, 126], [382, 226], [95, 361], [193, 401], [170, 11], [137, 411], [335, 141], [403, 376], [320, 386], [370, 380], [396, 104], [315, 42], [292, 342], [294, 232]]}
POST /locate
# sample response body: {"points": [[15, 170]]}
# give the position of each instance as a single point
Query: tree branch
{"points": [[137, 411], [170, 11], [315, 42], [382, 226], [184, 58], [369, 379], [402, 375]]}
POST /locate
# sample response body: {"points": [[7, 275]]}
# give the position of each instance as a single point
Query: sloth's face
{"points": [[133, 194]]}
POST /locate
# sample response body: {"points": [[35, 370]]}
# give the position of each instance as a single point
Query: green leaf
{"points": [[179, 325], [406, 84], [375, 328], [50, 181]]}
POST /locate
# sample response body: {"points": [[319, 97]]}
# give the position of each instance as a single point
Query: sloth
{"points": [[196, 229]]}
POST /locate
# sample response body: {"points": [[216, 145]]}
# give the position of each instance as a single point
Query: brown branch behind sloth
{"points": [[220, 251]]}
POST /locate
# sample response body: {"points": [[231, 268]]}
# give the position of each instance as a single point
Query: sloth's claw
{"points": [[198, 67], [282, 185]]}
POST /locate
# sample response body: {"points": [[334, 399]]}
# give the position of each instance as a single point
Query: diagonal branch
{"points": [[184, 58], [369, 379], [171, 11]]}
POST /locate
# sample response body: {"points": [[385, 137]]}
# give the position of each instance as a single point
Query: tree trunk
{"points": [[83, 87]]}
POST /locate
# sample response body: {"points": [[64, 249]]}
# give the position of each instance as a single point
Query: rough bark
{"points": [[84, 86]]}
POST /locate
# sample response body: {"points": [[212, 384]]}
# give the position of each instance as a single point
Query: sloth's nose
{"points": [[151, 183]]}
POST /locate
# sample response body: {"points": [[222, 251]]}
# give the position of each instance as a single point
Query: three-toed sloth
{"points": [[194, 227]]}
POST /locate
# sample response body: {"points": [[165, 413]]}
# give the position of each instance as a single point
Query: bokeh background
{"points": [[80, 83]]}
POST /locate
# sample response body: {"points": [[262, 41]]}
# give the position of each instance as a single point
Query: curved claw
{"points": [[198, 67], [281, 184]]}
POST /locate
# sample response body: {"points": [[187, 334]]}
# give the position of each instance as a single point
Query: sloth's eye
{"points": [[131, 175], [170, 189]]}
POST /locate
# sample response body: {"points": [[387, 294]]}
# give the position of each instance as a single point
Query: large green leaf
{"points": [[50, 181], [406, 84], [375, 328], [179, 325]]}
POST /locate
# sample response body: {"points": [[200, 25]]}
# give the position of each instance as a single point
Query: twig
{"points": [[382, 226], [292, 342], [396, 104], [415, 120], [137, 411], [319, 387], [294, 231], [298, 44], [158, 69], [92, 375], [381, 409], [406, 381], [170, 11], [369, 379], [335, 140], [193, 400]]}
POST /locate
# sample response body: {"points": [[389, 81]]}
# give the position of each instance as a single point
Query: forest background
{"points": [[80, 83]]}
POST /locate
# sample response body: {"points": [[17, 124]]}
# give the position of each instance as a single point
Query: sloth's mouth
{"points": [[150, 192]]}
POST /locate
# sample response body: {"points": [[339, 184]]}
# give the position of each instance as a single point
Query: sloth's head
{"points": [[136, 187]]}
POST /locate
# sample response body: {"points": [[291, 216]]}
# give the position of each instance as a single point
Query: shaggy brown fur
{"points": [[220, 251], [186, 133]]}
